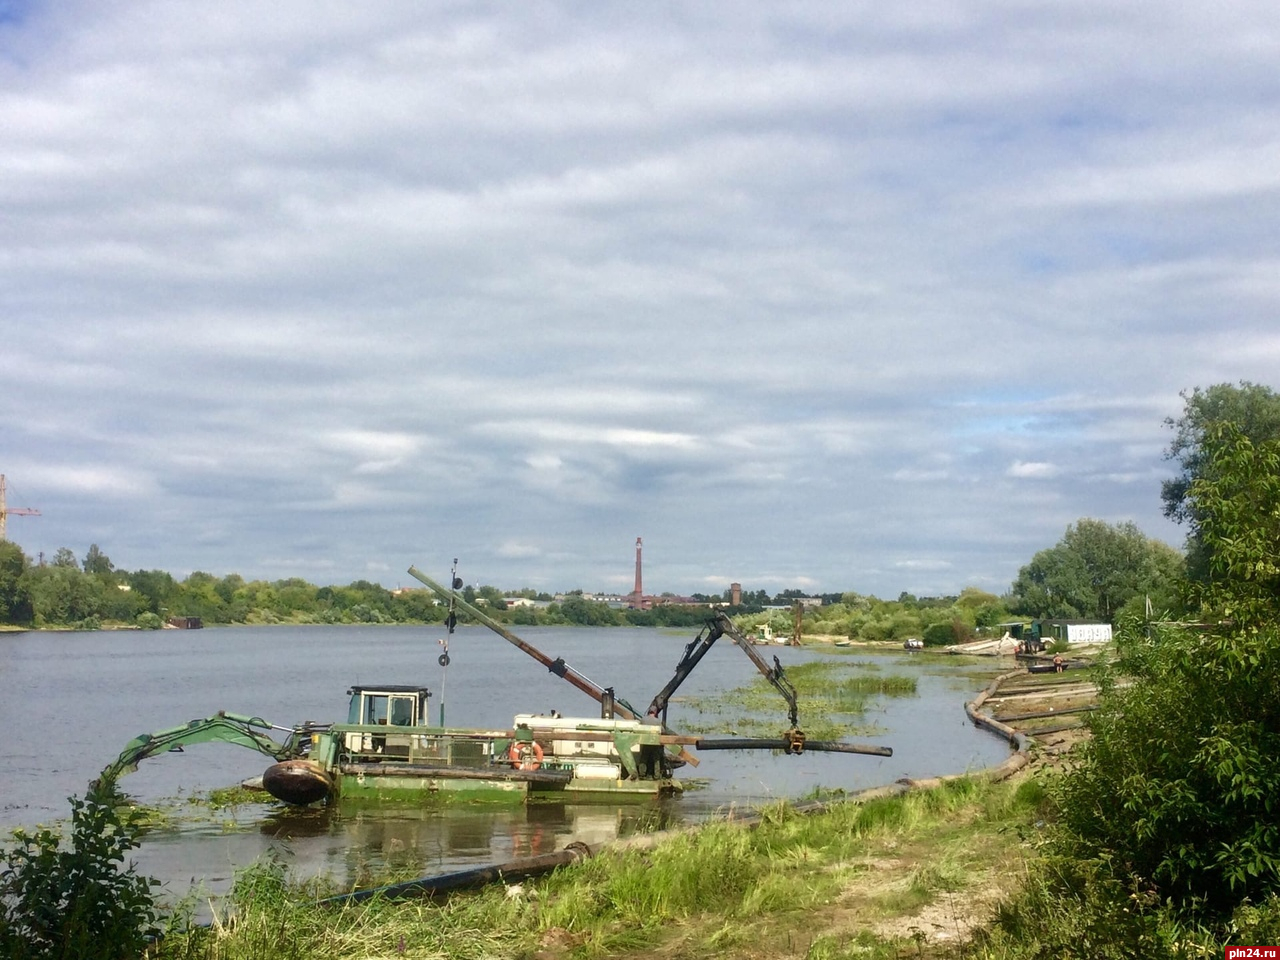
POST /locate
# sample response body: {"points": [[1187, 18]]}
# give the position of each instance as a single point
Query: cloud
{"points": [[518, 551], [1032, 471], [927, 565], [109, 483]]}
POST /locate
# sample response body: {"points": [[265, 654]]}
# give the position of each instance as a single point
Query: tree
{"points": [[63, 557], [1255, 412], [1093, 571], [197, 596], [157, 588], [15, 601], [63, 594], [98, 563], [493, 597], [228, 586], [1237, 505], [589, 613]]}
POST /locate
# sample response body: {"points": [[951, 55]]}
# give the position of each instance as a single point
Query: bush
{"points": [[939, 635], [77, 903], [149, 621], [1185, 762], [874, 630]]}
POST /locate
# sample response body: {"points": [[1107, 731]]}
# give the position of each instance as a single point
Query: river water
{"points": [[72, 701]]}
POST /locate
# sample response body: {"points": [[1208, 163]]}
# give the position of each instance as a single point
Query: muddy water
{"points": [[71, 701]]}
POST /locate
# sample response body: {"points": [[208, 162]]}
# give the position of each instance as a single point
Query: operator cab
{"points": [[392, 705]]}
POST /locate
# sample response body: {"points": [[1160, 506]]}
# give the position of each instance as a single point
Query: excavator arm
{"points": [[792, 740], [773, 674], [222, 728]]}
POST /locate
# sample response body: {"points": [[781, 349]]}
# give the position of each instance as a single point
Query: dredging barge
{"points": [[387, 749]]}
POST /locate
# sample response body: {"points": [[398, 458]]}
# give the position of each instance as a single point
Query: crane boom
{"points": [[556, 666], [791, 741], [5, 511]]}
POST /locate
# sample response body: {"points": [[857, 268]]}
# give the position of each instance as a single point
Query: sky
{"points": [[858, 296]]}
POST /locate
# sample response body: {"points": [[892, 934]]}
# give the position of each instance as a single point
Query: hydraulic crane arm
{"points": [[792, 741]]}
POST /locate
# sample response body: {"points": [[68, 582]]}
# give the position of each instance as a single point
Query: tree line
{"points": [[90, 593], [1097, 571]]}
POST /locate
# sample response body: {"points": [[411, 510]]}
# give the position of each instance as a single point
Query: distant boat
{"points": [[764, 635], [184, 623]]}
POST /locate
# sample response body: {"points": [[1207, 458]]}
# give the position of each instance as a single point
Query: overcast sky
{"points": [[837, 296]]}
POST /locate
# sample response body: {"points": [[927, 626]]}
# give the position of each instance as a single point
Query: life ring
{"points": [[525, 755]]}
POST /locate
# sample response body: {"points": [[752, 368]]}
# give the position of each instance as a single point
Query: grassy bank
{"points": [[891, 877]]}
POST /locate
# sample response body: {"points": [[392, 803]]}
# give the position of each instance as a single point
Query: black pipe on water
{"points": [[816, 746], [519, 869]]}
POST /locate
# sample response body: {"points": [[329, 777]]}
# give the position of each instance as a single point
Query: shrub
{"points": [[939, 635], [1184, 764], [79, 902]]}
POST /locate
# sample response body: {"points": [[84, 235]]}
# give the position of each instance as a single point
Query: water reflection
{"points": [[381, 843]]}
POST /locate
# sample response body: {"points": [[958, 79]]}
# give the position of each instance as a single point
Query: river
{"points": [[72, 700]]}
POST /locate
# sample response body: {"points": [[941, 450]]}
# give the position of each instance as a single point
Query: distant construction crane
{"points": [[16, 511]]}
